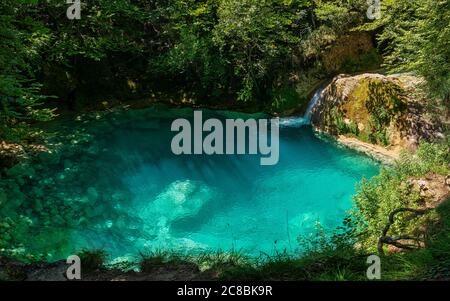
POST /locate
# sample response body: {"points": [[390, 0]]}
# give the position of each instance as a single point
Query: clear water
{"points": [[153, 200]]}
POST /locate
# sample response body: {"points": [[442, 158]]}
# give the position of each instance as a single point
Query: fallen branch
{"points": [[395, 240]]}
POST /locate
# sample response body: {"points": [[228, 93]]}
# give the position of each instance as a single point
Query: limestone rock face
{"points": [[383, 110], [350, 47], [432, 189]]}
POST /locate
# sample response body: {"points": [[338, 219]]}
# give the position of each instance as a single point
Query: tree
{"points": [[415, 36], [257, 38], [20, 95], [434, 48]]}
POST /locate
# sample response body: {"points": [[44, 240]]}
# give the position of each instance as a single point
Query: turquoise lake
{"points": [[135, 195]]}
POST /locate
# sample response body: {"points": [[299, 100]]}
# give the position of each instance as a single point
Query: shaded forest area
{"points": [[264, 55]]}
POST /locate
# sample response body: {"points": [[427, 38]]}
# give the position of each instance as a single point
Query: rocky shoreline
{"points": [[378, 153], [11, 270]]}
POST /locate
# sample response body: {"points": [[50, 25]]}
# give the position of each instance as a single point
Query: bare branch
{"points": [[394, 241]]}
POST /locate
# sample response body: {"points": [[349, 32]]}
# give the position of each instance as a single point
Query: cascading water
{"points": [[314, 100], [296, 121]]}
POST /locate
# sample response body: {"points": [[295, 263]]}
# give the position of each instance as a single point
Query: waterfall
{"points": [[298, 121], [314, 100]]}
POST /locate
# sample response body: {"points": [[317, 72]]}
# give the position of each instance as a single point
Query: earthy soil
{"points": [[17, 271]]}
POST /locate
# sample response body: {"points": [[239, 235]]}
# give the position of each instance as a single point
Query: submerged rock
{"points": [[90, 212], [99, 209], [3, 198], [93, 150], [15, 196], [118, 197], [20, 170], [68, 164], [92, 194], [50, 157], [179, 200]]}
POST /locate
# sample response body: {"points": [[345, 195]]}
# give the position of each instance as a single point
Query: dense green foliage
{"points": [[92, 260], [415, 36], [268, 54], [20, 95], [390, 190]]}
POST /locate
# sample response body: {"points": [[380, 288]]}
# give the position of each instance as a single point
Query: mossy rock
{"points": [[366, 106]]}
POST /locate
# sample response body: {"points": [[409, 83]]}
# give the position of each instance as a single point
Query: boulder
{"points": [[90, 212], [93, 150], [350, 104], [50, 157], [118, 197], [15, 195], [92, 194], [21, 170], [3, 198], [67, 164], [99, 209]]}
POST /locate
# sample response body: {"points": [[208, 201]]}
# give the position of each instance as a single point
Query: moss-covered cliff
{"points": [[388, 111]]}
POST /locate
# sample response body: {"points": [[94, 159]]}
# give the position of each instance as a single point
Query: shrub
{"points": [[389, 191], [92, 260]]}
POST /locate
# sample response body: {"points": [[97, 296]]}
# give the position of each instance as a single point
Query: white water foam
{"points": [[297, 121]]}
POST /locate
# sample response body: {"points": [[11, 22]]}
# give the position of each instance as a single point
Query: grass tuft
{"points": [[92, 260]]}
